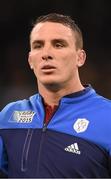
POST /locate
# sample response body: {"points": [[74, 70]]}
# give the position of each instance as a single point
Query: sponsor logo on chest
{"points": [[73, 148]]}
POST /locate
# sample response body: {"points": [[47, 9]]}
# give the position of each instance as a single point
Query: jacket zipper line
{"points": [[44, 128], [51, 117]]}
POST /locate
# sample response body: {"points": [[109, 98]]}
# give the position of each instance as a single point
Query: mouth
{"points": [[48, 68]]}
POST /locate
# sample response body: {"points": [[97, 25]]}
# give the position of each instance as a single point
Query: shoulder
{"points": [[103, 101], [18, 106], [93, 97], [101, 106]]}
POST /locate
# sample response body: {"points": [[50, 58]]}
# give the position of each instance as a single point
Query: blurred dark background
{"points": [[16, 17]]}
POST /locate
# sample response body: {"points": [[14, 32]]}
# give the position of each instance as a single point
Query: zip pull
{"points": [[44, 128]]}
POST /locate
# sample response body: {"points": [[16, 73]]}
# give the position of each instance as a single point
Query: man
{"points": [[64, 131]]}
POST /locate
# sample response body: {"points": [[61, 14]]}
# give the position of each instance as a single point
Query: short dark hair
{"points": [[66, 21]]}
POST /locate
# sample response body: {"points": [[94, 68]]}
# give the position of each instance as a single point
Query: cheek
{"points": [[69, 60], [69, 66], [35, 60]]}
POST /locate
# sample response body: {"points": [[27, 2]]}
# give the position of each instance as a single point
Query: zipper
{"points": [[45, 125], [44, 128], [26, 148]]}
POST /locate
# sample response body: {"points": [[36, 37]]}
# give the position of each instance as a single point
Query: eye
{"points": [[37, 46], [59, 45]]}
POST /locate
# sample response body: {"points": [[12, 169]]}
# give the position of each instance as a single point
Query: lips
{"points": [[46, 67]]}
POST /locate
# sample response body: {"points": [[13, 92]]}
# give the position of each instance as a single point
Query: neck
{"points": [[52, 94]]}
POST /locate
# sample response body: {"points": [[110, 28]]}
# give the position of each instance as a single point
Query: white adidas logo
{"points": [[73, 148]]}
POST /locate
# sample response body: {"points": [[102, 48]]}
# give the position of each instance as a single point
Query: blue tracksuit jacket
{"points": [[76, 143]]}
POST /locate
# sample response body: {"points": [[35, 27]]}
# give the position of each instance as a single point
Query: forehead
{"points": [[51, 30]]}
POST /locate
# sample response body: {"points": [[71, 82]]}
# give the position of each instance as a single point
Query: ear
{"points": [[30, 61], [81, 57]]}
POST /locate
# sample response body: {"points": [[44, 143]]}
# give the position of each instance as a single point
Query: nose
{"points": [[47, 57], [47, 53]]}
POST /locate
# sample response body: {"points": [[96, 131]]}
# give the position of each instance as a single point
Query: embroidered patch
{"points": [[22, 116], [81, 125]]}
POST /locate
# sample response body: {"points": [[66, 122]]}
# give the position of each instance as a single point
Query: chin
{"points": [[53, 86], [49, 80], [50, 83]]}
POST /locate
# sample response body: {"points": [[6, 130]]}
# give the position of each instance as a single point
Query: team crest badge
{"points": [[22, 116], [80, 125]]}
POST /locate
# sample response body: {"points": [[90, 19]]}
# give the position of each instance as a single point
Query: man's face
{"points": [[54, 56]]}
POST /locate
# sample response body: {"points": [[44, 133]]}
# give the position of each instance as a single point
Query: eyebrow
{"points": [[59, 40], [37, 41]]}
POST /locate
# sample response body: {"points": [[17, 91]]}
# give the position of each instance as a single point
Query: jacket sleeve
{"points": [[3, 160]]}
